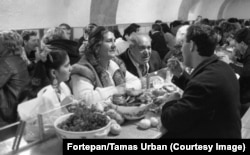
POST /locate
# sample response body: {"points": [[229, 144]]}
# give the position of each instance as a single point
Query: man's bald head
{"points": [[140, 47], [139, 38]]}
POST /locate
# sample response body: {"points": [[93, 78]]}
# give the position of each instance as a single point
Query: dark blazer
{"points": [[158, 44], [209, 107], [154, 62], [245, 78]]}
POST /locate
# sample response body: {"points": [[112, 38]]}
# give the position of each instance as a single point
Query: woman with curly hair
{"points": [[13, 75], [100, 74]]}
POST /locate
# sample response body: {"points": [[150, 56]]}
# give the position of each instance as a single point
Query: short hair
{"points": [[134, 39], [204, 38], [233, 20], [135, 25], [158, 21], [11, 41], [165, 28], [130, 29], [66, 26], [243, 35], [156, 27], [26, 34], [93, 24], [55, 33], [175, 23], [227, 27]]}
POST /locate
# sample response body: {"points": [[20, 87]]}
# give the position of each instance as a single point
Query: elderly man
{"points": [[139, 58], [210, 104]]}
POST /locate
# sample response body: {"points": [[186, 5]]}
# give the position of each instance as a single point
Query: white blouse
{"points": [[84, 89]]}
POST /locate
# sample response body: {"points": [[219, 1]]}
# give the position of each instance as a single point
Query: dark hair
{"points": [[41, 76], [175, 23], [247, 23], [165, 28], [227, 27], [27, 34], [158, 21], [55, 59], [243, 35], [218, 30], [156, 27], [205, 21], [233, 20], [135, 25], [93, 24], [116, 31], [66, 26], [204, 38], [130, 29]]}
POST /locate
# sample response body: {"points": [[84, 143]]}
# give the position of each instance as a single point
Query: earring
{"points": [[54, 83]]}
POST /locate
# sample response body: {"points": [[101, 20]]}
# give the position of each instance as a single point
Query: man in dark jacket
{"points": [[242, 38], [158, 41], [210, 104], [139, 59]]}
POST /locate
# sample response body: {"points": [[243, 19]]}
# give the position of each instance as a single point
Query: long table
{"points": [[53, 145]]}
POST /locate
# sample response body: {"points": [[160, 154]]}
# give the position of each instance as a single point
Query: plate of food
{"points": [[134, 104]]}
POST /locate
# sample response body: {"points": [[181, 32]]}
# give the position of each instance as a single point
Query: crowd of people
{"points": [[209, 59]]}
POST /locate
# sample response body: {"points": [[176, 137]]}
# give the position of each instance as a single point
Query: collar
{"points": [[203, 64]]}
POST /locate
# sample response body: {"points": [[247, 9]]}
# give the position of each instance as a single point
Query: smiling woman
{"points": [[99, 74]]}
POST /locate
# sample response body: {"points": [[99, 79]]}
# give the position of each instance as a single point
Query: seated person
{"points": [[56, 68], [99, 74], [243, 44], [123, 43], [210, 104], [158, 42], [139, 58], [31, 45], [57, 37], [13, 75]]}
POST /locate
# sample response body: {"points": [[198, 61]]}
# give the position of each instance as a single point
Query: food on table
{"points": [[113, 114], [115, 129], [119, 99], [170, 88], [84, 119], [156, 82], [127, 100], [133, 92], [144, 124], [159, 92], [154, 121]]}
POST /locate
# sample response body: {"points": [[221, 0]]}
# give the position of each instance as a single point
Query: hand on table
{"points": [[167, 98]]}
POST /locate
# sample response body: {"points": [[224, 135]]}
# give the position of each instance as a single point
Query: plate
{"points": [[131, 117]]}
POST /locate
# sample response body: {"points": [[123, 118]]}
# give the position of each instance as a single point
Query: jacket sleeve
{"points": [[187, 111], [182, 81]]}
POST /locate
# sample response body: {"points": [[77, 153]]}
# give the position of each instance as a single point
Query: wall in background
{"points": [[238, 9]]}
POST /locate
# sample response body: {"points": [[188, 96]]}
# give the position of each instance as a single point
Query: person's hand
{"points": [[167, 98], [175, 66]]}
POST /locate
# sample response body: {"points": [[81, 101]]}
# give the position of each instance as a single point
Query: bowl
{"points": [[133, 112], [98, 133]]}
